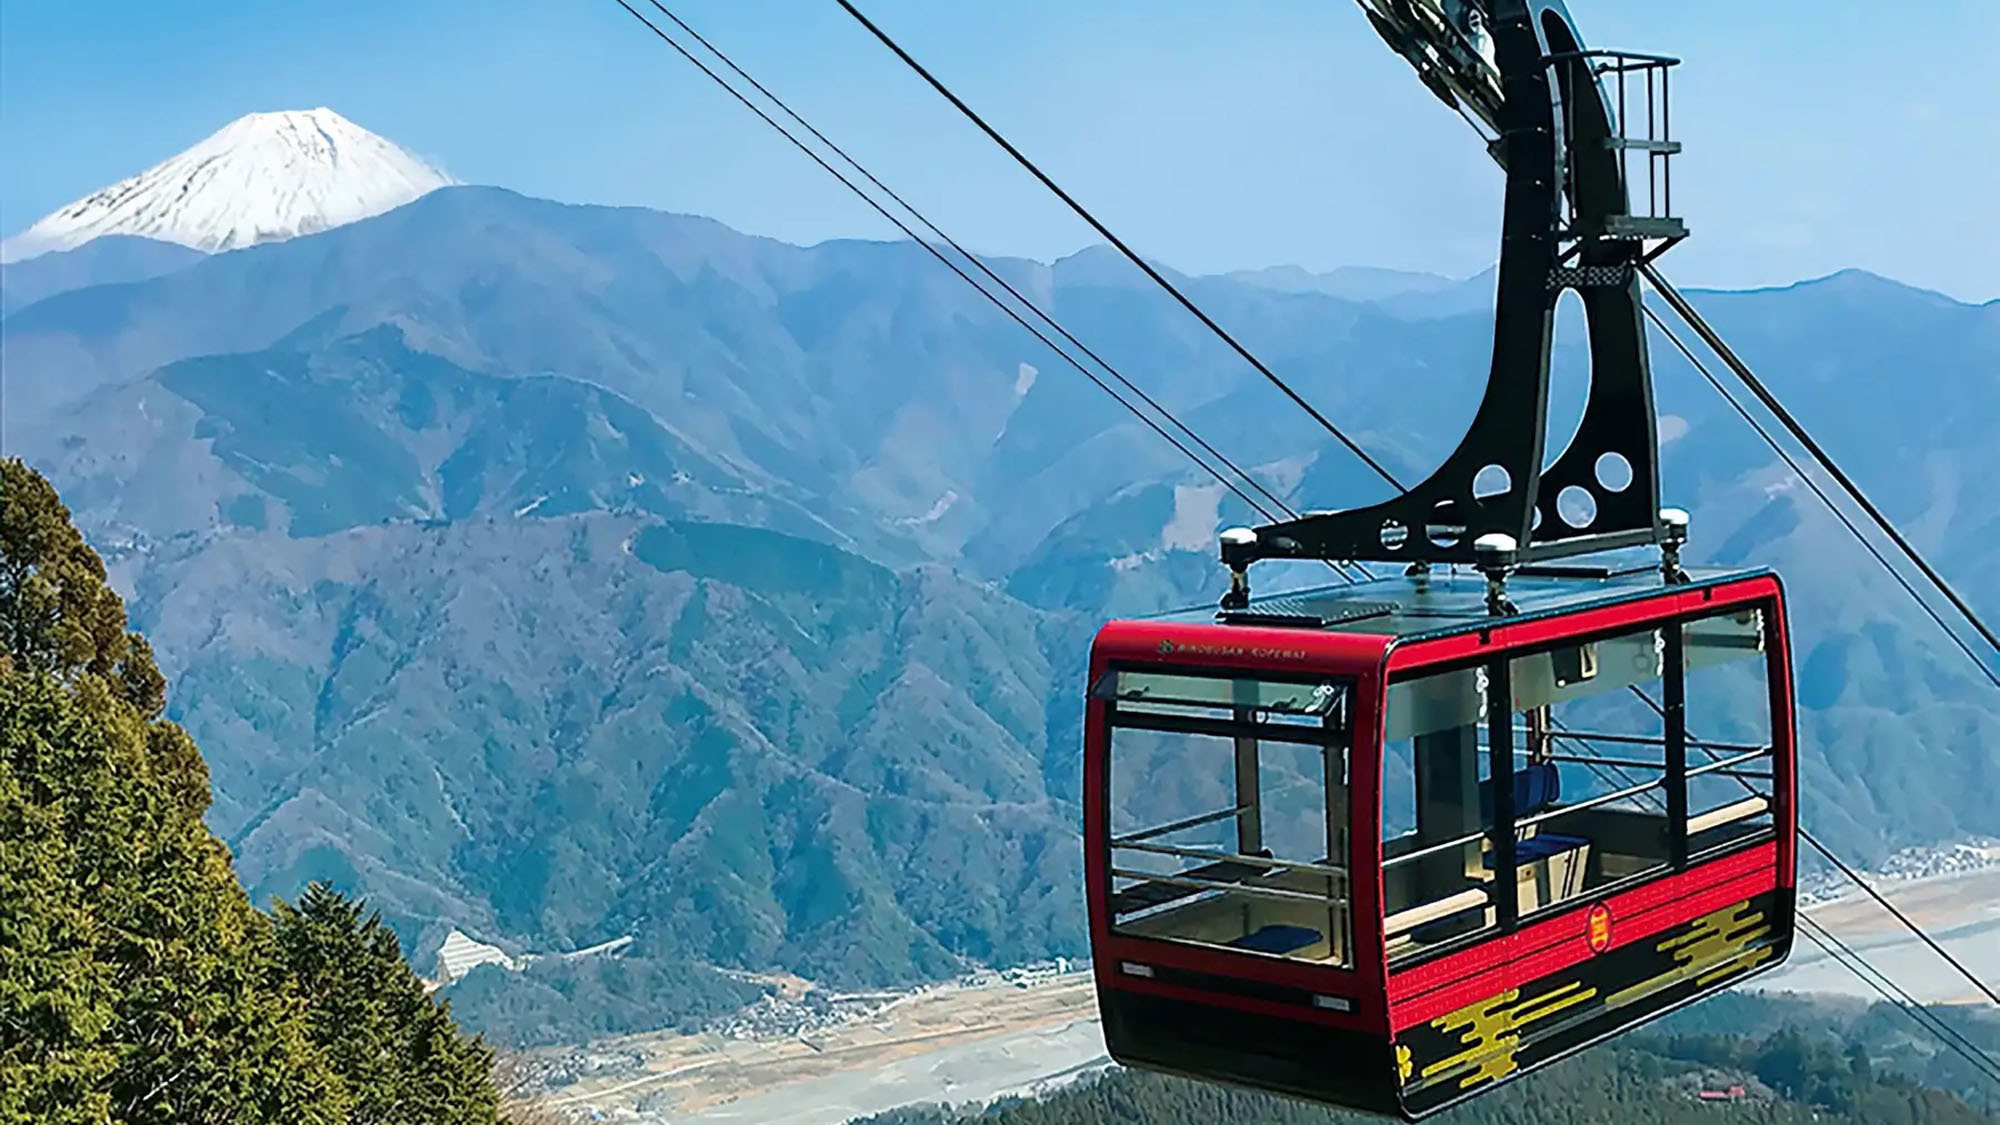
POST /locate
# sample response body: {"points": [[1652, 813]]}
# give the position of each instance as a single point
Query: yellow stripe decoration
{"points": [[1487, 1030], [1717, 946], [1712, 948], [1568, 996], [1491, 1032]]}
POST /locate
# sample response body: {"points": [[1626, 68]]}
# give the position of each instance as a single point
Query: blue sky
{"points": [[1821, 134]]}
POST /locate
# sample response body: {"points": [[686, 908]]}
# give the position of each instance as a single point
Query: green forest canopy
{"points": [[137, 982]]}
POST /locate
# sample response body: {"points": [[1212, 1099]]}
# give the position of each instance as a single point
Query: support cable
{"points": [[955, 268], [969, 256], [1680, 305], [1896, 994], [1693, 319], [1105, 232], [1274, 500], [1797, 470]]}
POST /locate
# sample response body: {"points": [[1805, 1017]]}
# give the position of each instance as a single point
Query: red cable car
{"points": [[1387, 844], [1302, 877]]}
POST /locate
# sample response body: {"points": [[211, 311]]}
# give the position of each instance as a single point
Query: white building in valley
{"points": [[460, 955]]}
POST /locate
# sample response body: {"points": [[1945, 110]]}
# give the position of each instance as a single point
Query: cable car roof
{"points": [[1443, 602]]}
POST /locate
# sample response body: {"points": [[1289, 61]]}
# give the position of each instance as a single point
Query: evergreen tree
{"points": [[399, 1053], [57, 614], [137, 983], [56, 995]]}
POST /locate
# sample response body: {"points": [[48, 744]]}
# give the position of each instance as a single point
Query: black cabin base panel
{"points": [[1460, 1055], [1212, 1044]]}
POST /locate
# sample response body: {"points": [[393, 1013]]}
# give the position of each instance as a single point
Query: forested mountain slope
{"points": [[566, 572]]}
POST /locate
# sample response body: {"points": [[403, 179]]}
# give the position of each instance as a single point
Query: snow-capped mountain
{"points": [[261, 178]]}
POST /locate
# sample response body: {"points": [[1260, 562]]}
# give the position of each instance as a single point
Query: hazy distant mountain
{"points": [[1475, 294], [110, 260], [313, 438], [262, 177], [858, 371], [565, 572], [1349, 283]]}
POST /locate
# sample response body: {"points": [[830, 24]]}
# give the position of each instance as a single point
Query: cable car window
{"points": [[1590, 768], [1229, 823], [1316, 698], [1730, 767], [1601, 795], [1433, 824], [1606, 788], [1439, 702]]}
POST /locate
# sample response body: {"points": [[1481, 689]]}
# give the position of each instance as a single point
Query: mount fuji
{"points": [[262, 178]]}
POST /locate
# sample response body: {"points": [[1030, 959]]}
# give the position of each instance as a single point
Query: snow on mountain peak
{"points": [[261, 178]]}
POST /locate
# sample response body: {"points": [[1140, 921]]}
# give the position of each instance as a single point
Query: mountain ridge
{"points": [[1851, 276], [109, 259]]}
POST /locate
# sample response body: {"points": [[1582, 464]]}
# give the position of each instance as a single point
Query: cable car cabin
{"points": [[1303, 878]]}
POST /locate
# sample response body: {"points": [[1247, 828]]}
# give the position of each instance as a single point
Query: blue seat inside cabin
{"points": [[1541, 846], [1536, 787], [1278, 939]]}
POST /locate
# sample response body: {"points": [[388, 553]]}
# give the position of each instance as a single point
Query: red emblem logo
{"points": [[1599, 928]]}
